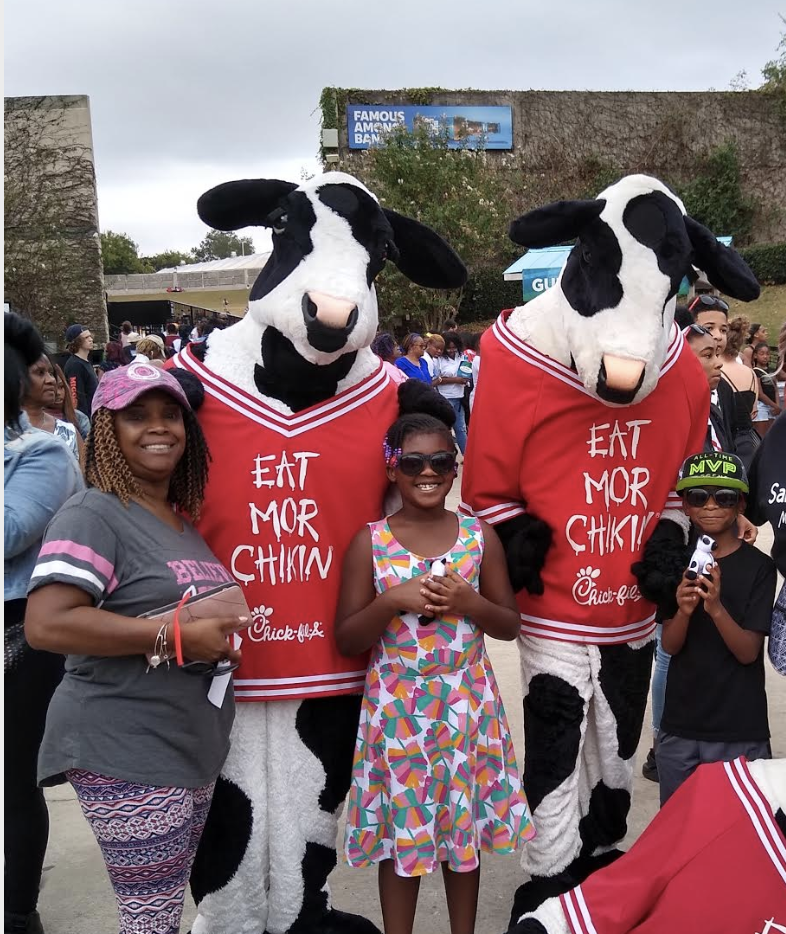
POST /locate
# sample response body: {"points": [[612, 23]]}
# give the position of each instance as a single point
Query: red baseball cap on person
{"points": [[119, 388]]}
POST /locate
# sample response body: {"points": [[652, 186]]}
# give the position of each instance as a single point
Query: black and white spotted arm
{"points": [[548, 918]]}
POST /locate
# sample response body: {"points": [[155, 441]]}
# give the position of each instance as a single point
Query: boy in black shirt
{"points": [[716, 705], [78, 369]]}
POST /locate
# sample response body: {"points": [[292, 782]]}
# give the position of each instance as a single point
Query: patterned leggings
{"points": [[148, 837]]}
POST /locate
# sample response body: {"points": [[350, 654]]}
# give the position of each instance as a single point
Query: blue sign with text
{"points": [[466, 127]]}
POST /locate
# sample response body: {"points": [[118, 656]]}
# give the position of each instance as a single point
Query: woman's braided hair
{"points": [[108, 471]]}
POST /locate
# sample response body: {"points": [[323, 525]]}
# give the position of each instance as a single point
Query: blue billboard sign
{"points": [[467, 127]]}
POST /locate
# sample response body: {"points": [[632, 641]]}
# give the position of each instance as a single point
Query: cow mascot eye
{"points": [[277, 220], [390, 252], [586, 256]]}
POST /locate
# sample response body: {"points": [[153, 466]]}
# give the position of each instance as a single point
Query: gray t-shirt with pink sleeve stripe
{"points": [[110, 715]]}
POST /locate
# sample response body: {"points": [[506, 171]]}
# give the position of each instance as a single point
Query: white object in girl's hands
{"points": [[438, 569], [702, 560]]}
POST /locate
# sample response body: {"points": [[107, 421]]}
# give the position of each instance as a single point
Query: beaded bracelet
{"points": [[160, 649]]}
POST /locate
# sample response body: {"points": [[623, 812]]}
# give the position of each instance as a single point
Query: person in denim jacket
{"points": [[40, 474]]}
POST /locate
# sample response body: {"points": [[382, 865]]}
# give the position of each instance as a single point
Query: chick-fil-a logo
{"points": [[587, 593], [263, 629]]}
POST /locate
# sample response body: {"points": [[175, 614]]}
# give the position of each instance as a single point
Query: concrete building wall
{"points": [[662, 133], [68, 285]]}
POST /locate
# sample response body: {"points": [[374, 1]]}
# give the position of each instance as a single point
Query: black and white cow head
{"points": [[617, 291], [331, 239]]}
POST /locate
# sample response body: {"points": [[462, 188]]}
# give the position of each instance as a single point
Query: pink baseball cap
{"points": [[118, 388]]}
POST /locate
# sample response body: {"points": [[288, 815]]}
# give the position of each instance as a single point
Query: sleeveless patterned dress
{"points": [[434, 777]]}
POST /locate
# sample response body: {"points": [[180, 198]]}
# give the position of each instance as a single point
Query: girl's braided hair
{"points": [[108, 471]]}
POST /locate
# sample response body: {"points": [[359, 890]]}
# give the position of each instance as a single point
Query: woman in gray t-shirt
{"points": [[141, 742]]}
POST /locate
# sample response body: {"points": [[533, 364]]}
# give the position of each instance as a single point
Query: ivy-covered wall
{"points": [[725, 152]]}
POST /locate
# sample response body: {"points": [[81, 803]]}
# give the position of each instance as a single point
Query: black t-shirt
{"points": [[767, 499], [711, 696], [86, 382]]}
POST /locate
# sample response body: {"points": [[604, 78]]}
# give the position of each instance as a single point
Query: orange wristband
{"points": [[176, 630]]}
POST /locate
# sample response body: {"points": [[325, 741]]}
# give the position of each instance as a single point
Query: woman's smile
{"points": [[158, 447]]}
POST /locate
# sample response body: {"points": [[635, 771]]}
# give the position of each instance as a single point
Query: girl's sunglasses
{"points": [[411, 465], [698, 496]]}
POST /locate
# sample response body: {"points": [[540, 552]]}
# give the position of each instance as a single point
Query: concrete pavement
{"points": [[77, 897]]}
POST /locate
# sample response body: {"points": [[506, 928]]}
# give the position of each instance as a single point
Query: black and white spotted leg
{"points": [[230, 878], [557, 685], [621, 680], [583, 714], [328, 727], [282, 789]]}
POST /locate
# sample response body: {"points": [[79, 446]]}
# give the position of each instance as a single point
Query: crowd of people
{"points": [[105, 469], [448, 361]]}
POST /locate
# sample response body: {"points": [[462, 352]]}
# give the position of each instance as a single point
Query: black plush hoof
{"points": [[526, 540], [335, 922], [530, 926], [593, 863], [660, 570], [532, 894], [341, 922]]}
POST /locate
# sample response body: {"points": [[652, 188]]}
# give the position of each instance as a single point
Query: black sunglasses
{"points": [[709, 301], [209, 669], [698, 329], [699, 496], [413, 464]]}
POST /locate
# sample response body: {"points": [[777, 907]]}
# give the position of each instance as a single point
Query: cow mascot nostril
{"points": [[601, 400], [329, 323], [620, 387], [295, 409]]}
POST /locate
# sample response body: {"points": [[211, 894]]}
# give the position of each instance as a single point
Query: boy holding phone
{"points": [[716, 705]]}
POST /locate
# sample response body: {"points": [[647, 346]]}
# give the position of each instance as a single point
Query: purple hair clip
{"points": [[392, 455]]}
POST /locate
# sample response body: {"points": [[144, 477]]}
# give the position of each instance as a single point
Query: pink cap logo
{"points": [[143, 372]]}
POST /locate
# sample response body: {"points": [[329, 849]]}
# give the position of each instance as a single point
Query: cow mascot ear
{"points": [[244, 203], [423, 256], [724, 267], [555, 223]]}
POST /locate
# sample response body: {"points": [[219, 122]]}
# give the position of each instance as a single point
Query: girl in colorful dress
{"points": [[434, 778]]}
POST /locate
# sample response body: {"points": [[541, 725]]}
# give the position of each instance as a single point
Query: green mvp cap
{"points": [[713, 469]]}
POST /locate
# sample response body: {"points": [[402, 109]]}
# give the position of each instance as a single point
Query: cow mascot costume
{"points": [[588, 402], [295, 410], [713, 859]]}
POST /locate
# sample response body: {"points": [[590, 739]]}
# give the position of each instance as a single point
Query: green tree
{"points": [[715, 195], [774, 74], [219, 244], [459, 194], [120, 255], [166, 260]]}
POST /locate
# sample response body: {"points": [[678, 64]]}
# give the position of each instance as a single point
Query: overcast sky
{"points": [[185, 94]]}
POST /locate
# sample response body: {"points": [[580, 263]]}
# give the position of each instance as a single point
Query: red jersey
{"points": [[598, 474], [285, 497], [713, 859]]}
